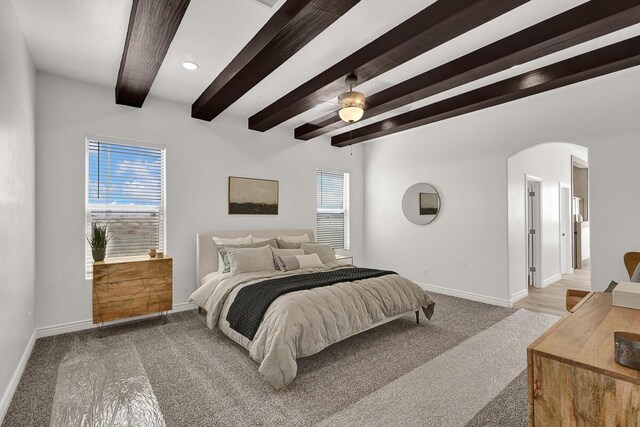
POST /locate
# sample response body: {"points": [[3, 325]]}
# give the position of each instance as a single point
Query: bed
{"points": [[302, 322]]}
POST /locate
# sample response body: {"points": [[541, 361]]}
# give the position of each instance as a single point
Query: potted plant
{"points": [[98, 241]]}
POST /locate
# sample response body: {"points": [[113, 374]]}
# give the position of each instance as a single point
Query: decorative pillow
{"points": [[250, 260], [221, 241], [287, 245], [311, 260], [636, 275], [295, 239], [284, 252], [223, 251], [295, 262], [325, 252]]}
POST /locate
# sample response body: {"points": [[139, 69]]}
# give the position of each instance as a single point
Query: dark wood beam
{"points": [[593, 64], [433, 26], [578, 25], [152, 26], [295, 24]]}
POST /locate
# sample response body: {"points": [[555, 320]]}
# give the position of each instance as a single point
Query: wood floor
{"points": [[551, 300]]}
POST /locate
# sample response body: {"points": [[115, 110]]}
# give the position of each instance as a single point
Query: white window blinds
{"points": [[333, 208], [125, 189]]}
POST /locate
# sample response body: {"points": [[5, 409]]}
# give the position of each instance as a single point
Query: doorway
{"points": [[533, 230], [580, 211], [566, 241], [541, 187]]}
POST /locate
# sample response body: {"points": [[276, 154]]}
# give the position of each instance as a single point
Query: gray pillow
{"points": [[286, 245], [224, 249], [250, 260], [287, 262], [325, 252], [284, 252], [636, 275], [294, 262]]}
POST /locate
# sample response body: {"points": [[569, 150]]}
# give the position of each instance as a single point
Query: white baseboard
{"points": [[466, 295], [550, 280], [15, 379], [81, 325], [518, 296]]}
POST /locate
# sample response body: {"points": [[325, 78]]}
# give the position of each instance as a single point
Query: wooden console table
{"points": [[131, 286], [573, 376]]}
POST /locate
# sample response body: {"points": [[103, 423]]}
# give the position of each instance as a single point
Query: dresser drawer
{"points": [[118, 291], [122, 272], [163, 267], [125, 308]]}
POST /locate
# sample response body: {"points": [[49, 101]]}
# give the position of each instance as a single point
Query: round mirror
{"points": [[421, 203]]}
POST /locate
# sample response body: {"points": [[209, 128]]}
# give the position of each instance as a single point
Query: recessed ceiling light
{"points": [[190, 65]]}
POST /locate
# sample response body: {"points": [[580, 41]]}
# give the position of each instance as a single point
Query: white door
{"points": [[566, 264], [533, 232]]}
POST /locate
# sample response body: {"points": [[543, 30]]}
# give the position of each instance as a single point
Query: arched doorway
{"points": [[548, 224]]}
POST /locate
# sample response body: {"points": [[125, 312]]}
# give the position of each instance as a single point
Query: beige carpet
{"points": [[182, 373]]}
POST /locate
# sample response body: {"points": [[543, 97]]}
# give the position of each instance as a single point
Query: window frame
{"points": [[346, 210], [87, 206]]}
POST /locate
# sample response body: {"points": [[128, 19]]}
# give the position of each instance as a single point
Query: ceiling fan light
{"points": [[351, 114], [352, 106]]}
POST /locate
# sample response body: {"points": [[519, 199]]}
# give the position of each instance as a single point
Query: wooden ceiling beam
{"points": [[609, 59], [152, 26], [438, 23], [293, 26], [578, 25]]}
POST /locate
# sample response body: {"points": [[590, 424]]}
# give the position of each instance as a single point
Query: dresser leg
{"points": [[418, 317], [100, 330]]}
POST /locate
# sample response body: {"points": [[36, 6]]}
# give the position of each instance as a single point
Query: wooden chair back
{"points": [[631, 261]]}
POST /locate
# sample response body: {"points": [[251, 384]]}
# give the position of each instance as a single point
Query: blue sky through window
{"points": [[124, 175]]}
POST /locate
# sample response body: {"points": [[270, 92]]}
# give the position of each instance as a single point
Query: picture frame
{"points": [[253, 196], [429, 203]]}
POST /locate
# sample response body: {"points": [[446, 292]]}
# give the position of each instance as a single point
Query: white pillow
{"points": [[304, 238], [311, 260], [255, 239], [250, 260], [221, 241]]}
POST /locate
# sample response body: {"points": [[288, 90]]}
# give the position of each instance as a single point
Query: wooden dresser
{"points": [[131, 286], [573, 376]]}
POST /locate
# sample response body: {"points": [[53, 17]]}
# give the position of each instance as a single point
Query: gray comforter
{"points": [[302, 323]]}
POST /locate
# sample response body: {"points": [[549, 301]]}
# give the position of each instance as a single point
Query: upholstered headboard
{"points": [[207, 252]]}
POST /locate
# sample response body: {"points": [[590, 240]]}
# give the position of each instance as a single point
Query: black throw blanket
{"points": [[251, 302]]}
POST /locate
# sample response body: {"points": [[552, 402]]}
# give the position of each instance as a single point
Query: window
{"points": [[125, 188], [333, 208]]}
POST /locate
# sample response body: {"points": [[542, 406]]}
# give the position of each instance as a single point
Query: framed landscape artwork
{"points": [[250, 196], [429, 203]]}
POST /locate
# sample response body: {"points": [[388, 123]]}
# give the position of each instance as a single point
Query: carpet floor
{"points": [[183, 374]]}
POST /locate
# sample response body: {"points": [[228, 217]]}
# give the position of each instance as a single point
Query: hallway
{"points": [[551, 300]]}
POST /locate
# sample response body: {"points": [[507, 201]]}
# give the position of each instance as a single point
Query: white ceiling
{"points": [[84, 39]]}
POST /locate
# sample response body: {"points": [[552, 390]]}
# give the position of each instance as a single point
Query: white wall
{"points": [[550, 162], [17, 201], [465, 250], [200, 157]]}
